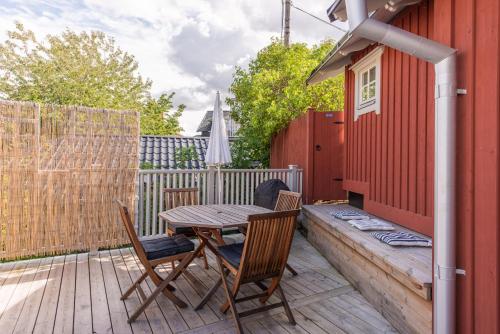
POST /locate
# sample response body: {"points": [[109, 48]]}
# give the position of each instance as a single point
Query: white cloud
{"points": [[221, 68], [187, 46]]}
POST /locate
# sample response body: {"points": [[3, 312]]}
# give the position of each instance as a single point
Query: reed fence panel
{"points": [[60, 170]]}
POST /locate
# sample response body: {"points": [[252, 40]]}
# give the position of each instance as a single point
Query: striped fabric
{"points": [[402, 239], [348, 214]]}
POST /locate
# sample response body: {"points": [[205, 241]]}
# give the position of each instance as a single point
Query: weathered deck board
{"points": [[81, 294], [17, 299], [32, 302]]}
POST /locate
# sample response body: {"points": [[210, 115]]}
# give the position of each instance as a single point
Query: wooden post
{"points": [[137, 198], [211, 184], [294, 178], [286, 34]]}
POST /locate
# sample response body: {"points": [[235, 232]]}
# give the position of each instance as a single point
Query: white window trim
{"points": [[374, 58]]}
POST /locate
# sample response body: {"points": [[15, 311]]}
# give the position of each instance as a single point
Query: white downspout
{"points": [[444, 60]]}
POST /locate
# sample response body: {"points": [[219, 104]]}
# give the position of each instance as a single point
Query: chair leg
{"points": [[230, 298], [224, 307], [157, 280], [288, 311], [170, 233], [162, 287], [290, 269], [261, 285], [210, 292], [270, 290], [134, 286]]}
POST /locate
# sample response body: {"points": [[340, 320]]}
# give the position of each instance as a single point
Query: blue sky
{"points": [[186, 46]]}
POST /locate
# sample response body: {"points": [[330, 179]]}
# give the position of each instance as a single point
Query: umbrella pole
{"points": [[220, 183]]}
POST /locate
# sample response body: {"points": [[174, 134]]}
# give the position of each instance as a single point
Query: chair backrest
{"points": [[288, 200], [180, 197], [129, 227], [267, 245]]}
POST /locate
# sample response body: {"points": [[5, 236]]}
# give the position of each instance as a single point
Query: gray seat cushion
{"points": [[232, 253], [162, 246]]}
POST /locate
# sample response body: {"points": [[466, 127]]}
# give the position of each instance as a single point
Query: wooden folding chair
{"points": [[287, 200], [182, 197], [153, 251], [261, 256]]}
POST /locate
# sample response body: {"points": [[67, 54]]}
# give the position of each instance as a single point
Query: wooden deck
{"points": [[81, 294]]}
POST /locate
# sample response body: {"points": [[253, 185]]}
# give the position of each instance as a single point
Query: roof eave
{"points": [[340, 56]]}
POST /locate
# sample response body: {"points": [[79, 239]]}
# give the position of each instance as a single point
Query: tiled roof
{"points": [[160, 151]]}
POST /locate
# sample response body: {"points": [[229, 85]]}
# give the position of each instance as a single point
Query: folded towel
{"points": [[402, 239], [349, 214], [371, 225]]}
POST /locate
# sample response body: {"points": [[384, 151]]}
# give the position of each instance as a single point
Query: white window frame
{"points": [[372, 59]]}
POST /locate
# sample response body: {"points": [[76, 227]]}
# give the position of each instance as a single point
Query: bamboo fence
{"points": [[60, 170]]}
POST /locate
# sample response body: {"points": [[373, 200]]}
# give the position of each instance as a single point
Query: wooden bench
{"points": [[396, 280]]}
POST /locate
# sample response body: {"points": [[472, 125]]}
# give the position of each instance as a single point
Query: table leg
{"points": [[216, 233], [206, 235]]}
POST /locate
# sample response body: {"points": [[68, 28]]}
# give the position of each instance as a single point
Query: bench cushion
{"points": [[162, 246], [372, 224], [402, 238], [232, 253]]}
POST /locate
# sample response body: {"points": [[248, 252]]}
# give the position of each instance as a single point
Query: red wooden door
{"points": [[328, 140]]}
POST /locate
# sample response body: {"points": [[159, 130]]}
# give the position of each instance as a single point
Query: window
{"points": [[367, 83], [367, 91]]}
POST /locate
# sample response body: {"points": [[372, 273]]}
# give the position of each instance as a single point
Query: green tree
{"points": [[72, 69], [273, 91], [157, 117], [242, 153], [184, 156]]}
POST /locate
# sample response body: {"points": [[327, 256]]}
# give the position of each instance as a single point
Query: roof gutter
{"points": [[444, 60]]}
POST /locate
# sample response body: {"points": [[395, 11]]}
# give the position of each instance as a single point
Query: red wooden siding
{"points": [[473, 29], [389, 157], [289, 147], [314, 142]]}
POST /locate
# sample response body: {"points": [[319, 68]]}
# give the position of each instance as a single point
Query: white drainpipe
{"points": [[444, 60]]}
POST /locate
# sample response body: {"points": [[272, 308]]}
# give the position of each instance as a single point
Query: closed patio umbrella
{"points": [[218, 152]]}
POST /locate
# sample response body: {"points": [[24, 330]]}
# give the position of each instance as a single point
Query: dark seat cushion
{"points": [[232, 253], [162, 246], [187, 231]]}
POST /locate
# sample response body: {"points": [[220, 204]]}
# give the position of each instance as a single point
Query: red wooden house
{"points": [[402, 156]]}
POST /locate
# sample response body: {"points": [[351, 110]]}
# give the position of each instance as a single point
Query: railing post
{"points": [[137, 198], [211, 184], [294, 178]]}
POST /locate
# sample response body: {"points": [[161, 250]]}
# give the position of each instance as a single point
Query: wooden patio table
{"points": [[207, 222], [210, 219]]}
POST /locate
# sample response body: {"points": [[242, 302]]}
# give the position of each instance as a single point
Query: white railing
{"points": [[238, 186]]}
